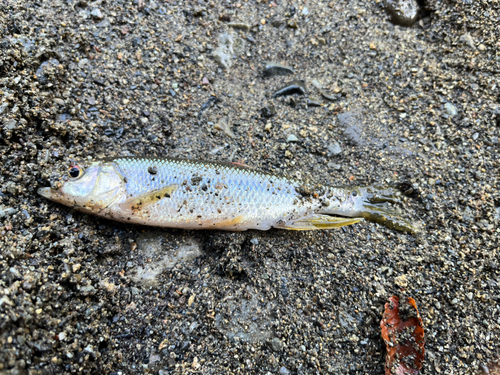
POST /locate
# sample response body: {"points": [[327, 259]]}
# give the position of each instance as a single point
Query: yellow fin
{"points": [[150, 197], [320, 222]]}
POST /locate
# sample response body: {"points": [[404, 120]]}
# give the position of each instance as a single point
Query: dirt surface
{"points": [[372, 102]]}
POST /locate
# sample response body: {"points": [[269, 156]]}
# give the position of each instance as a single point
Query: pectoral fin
{"points": [[150, 197], [320, 222]]}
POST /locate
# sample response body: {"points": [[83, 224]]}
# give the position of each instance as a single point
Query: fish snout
{"points": [[51, 193], [45, 192]]}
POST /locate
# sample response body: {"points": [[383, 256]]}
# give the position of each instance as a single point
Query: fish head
{"points": [[89, 189]]}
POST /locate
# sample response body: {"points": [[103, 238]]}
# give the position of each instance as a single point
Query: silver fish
{"points": [[189, 194]]}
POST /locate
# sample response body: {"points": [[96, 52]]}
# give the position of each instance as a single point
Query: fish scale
{"points": [[224, 193], [190, 194]]}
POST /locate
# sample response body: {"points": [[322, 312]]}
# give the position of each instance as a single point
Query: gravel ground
{"points": [[372, 102]]}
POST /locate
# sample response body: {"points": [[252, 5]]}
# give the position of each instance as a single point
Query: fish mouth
{"points": [[46, 192]]}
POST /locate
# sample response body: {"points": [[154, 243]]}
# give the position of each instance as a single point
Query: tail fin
{"points": [[376, 204]]}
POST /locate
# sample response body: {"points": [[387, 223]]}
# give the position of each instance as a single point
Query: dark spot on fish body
{"points": [[204, 187], [320, 190], [304, 191], [152, 170], [195, 180]]}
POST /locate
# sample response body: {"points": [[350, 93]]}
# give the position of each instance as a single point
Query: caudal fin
{"points": [[377, 204]]}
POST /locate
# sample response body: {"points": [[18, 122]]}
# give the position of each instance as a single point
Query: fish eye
{"points": [[75, 171]]}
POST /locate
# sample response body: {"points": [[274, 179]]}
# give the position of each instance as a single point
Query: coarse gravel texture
{"points": [[419, 105]]}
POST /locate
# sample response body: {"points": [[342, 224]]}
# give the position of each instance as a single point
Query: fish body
{"points": [[189, 194]]}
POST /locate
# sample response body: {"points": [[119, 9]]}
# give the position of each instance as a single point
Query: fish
{"points": [[194, 194]]}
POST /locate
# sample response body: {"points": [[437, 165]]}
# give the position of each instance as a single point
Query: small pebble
{"points": [[467, 39], [334, 149], [97, 14], [240, 26], [451, 109]]}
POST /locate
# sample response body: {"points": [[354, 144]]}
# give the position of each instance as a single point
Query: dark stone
{"points": [[402, 12], [212, 100], [313, 102], [99, 81], [268, 111], [45, 70], [294, 87], [352, 129], [273, 69]]}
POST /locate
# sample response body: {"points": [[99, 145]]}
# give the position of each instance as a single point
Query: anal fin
{"points": [[318, 221]]}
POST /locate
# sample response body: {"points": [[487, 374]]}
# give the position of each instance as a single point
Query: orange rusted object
{"points": [[403, 333]]}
